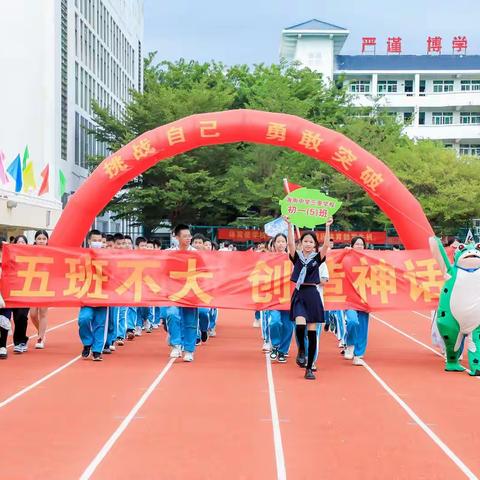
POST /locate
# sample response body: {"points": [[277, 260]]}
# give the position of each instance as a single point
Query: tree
{"points": [[242, 183]]}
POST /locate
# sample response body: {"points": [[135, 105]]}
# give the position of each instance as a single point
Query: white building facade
{"points": [[436, 96], [56, 57]]}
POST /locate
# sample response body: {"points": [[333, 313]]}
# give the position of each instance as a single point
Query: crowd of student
{"points": [[103, 329]]}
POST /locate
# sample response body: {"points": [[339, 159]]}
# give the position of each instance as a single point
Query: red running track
{"points": [[213, 419]]}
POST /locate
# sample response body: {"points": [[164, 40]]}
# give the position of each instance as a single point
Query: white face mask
{"points": [[96, 245]]}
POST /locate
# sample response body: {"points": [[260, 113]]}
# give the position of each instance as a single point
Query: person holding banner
{"points": [[38, 315], [306, 308], [182, 322], [92, 321], [281, 328], [356, 322], [20, 316]]}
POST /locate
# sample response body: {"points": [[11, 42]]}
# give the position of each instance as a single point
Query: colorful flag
{"points": [[3, 175], [290, 187], [15, 171], [63, 183], [44, 185], [469, 238], [29, 178], [26, 156]]}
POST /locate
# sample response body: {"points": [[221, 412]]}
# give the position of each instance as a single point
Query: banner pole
{"points": [[287, 189]]}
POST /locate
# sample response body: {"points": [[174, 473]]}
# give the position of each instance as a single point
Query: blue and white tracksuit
{"points": [[160, 313], [144, 316], [281, 329], [357, 331], [92, 327], [131, 318], [213, 319], [182, 324]]}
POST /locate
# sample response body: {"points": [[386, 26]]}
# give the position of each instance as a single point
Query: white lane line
{"points": [[277, 434], [424, 345], [37, 383], [121, 428], [422, 315], [49, 330], [468, 473]]}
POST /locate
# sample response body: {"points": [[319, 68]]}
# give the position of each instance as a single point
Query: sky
{"points": [[248, 31]]}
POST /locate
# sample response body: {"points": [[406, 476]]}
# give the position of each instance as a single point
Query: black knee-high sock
{"points": [[300, 334], [312, 347], [3, 337]]}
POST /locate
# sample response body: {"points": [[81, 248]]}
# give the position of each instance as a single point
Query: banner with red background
{"points": [[248, 234], [371, 280]]}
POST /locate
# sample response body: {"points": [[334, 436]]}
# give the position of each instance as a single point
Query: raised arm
{"points": [[326, 241], [439, 254], [290, 237]]}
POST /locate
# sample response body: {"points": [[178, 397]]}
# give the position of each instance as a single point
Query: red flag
{"points": [[290, 187], [44, 185]]}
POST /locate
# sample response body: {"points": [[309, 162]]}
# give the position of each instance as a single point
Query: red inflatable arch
{"points": [[243, 126]]}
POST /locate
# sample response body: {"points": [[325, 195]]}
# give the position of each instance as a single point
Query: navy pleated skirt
{"points": [[307, 303]]}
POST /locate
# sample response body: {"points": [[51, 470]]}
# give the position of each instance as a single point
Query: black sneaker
{"points": [[273, 354], [309, 375], [326, 327], [204, 336], [97, 357], [301, 362], [86, 352], [281, 358], [198, 341]]}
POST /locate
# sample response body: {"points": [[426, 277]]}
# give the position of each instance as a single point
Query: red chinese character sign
{"points": [[243, 126], [459, 44], [369, 44], [367, 280], [306, 207], [434, 45], [394, 45]]}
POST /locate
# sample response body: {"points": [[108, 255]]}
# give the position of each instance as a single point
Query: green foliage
{"points": [[240, 184]]}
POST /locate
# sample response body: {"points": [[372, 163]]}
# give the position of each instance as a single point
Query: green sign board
{"points": [[308, 208]]}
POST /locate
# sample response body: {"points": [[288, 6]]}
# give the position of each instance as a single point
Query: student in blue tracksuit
{"points": [[356, 322], [92, 320], [281, 327], [182, 322], [131, 315], [113, 312]]}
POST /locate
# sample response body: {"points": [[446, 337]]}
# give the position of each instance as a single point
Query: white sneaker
{"points": [[267, 346], [188, 357], [20, 348], [40, 344], [256, 323], [155, 326], [349, 352], [112, 348], [357, 361], [212, 333], [176, 352], [3, 353], [138, 331]]}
